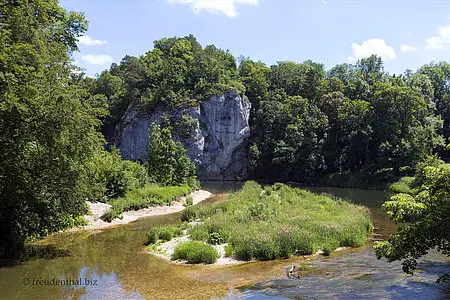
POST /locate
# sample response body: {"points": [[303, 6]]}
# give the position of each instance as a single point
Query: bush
{"points": [[111, 215], [214, 239], [189, 201], [152, 236], [404, 186], [189, 214], [113, 176], [228, 250], [164, 233], [81, 221], [199, 233], [195, 252]]}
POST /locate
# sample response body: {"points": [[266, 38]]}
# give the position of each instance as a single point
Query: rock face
{"points": [[217, 143]]}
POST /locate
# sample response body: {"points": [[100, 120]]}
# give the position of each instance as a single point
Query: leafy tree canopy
{"points": [[428, 216]]}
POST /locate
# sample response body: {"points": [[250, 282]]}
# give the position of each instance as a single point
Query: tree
{"points": [[427, 215], [304, 79], [48, 130], [404, 129], [167, 162], [287, 140], [254, 77], [439, 74], [355, 117]]}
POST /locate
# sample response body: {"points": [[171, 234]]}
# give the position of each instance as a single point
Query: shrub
{"points": [[81, 221], [330, 246], [214, 239], [113, 176], [199, 233], [164, 233], [189, 214], [404, 185], [152, 236], [189, 201], [195, 252], [110, 215], [229, 250]]}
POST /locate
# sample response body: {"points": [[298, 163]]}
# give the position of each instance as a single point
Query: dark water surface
{"points": [[114, 264]]}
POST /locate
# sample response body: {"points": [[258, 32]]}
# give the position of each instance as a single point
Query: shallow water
{"points": [[114, 264]]}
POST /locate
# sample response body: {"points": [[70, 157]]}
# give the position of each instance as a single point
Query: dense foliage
{"points": [[279, 221], [354, 119], [51, 146], [427, 214], [111, 176], [167, 162], [306, 124], [48, 127], [177, 72]]}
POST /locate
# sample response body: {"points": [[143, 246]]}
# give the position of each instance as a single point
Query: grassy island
{"points": [[278, 221]]}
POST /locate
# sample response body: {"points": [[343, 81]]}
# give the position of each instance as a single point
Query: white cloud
{"points": [[442, 38], [88, 41], [226, 7], [372, 46], [324, 2], [407, 48], [99, 60]]}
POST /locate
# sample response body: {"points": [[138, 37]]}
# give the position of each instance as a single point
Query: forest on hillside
{"points": [[307, 124]]}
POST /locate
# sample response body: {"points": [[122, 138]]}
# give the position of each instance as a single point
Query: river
{"points": [[114, 264]]}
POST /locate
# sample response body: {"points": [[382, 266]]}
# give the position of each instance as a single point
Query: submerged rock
{"points": [[217, 143]]}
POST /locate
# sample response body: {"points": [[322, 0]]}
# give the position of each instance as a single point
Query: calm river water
{"points": [[114, 264]]}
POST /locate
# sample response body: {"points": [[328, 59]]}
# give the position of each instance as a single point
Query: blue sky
{"points": [[407, 34]]}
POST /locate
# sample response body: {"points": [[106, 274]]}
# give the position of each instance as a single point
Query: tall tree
{"points": [[47, 128], [167, 161]]}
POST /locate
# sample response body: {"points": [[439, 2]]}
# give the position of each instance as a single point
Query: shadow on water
{"points": [[114, 264], [32, 252]]}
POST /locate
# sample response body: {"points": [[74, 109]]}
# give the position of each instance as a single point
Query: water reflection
{"points": [[119, 261]]}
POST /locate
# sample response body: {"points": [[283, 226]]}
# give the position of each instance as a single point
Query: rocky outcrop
{"points": [[217, 143]]}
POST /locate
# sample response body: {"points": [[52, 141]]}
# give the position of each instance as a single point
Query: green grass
{"points": [[280, 222], [403, 185], [195, 252], [164, 233], [149, 195]]}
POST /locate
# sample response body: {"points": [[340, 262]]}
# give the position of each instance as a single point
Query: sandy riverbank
{"points": [[98, 209]]}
